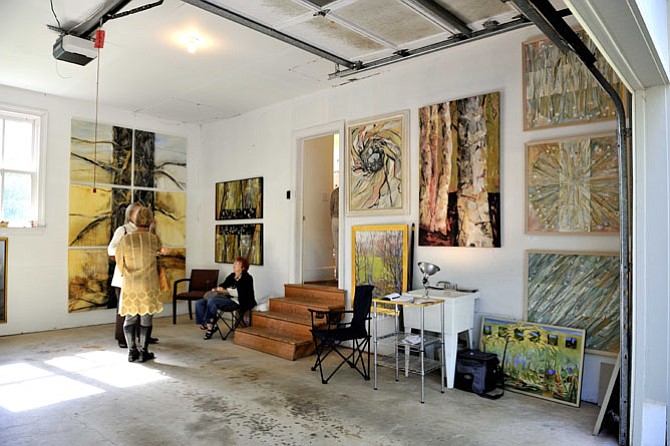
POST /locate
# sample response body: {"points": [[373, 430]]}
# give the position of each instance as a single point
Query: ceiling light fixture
{"points": [[192, 42]]}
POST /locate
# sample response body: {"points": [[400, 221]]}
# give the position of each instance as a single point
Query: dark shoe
{"points": [[210, 333], [146, 356], [122, 344], [203, 327], [133, 355], [153, 340]]}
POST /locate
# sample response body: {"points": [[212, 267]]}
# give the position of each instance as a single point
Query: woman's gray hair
{"points": [[129, 211]]}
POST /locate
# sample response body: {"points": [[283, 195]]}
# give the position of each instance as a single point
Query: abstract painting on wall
{"points": [[88, 274], [159, 161], [459, 173], [108, 161], [573, 185], [580, 290], [541, 360], [379, 258], [158, 182], [239, 199], [174, 263], [170, 216], [90, 216], [559, 90], [239, 241], [376, 178]]}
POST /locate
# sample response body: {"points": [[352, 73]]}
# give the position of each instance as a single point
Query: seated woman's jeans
{"points": [[205, 309]]}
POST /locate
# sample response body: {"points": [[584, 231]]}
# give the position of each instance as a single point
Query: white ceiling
{"points": [[145, 68]]}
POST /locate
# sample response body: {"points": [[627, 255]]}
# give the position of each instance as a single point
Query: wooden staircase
{"points": [[284, 330]]}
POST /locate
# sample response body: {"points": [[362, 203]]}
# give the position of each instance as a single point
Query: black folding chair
{"points": [[229, 318], [329, 332]]}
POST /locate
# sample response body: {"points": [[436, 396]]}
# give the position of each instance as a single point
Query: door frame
{"points": [[295, 254]]}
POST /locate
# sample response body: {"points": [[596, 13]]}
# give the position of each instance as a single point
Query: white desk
{"points": [[459, 315]]}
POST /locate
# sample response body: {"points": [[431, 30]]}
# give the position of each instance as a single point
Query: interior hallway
{"points": [[200, 392]]}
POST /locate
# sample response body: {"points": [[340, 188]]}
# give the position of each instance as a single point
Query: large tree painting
{"points": [[459, 177], [158, 182]]}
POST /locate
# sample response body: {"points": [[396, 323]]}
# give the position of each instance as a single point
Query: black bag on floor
{"points": [[478, 372]]}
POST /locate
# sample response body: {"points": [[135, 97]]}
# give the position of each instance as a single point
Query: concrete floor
{"points": [[213, 392]]}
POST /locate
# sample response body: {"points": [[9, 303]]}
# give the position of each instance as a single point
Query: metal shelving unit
{"points": [[404, 344]]}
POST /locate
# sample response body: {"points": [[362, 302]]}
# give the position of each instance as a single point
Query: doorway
{"points": [[320, 209]]}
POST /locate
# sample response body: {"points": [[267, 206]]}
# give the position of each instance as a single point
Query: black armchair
{"points": [[329, 332], [201, 281]]}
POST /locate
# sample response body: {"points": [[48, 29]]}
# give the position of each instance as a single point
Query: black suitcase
{"points": [[478, 372]]}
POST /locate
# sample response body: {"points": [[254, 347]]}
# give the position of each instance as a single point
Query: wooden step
{"points": [[325, 294], [289, 323], [267, 340], [302, 304]]}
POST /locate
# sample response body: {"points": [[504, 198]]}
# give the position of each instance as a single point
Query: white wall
{"points": [[259, 143], [37, 276]]}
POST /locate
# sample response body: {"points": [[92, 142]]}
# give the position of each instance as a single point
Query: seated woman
{"points": [[240, 282]]}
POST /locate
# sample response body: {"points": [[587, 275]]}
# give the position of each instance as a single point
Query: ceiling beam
{"points": [[438, 12], [256, 26]]}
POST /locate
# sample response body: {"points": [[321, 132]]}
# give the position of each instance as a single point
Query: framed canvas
{"points": [[559, 90], [572, 185], [108, 161], [544, 361], [132, 166], [459, 173], [239, 240], [174, 263], [239, 199], [377, 181], [3, 278], [578, 289], [379, 258], [88, 271]]}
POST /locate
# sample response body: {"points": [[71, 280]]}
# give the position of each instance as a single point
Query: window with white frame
{"points": [[20, 137]]}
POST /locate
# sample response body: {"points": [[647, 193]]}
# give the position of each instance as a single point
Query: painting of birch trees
{"points": [[380, 254], [459, 172]]}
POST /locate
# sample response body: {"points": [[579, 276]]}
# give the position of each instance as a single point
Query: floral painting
{"points": [[459, 172], [573, 185], [539, 360], [376, 178]]}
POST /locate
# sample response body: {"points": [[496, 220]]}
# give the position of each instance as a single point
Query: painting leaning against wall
{"points": [[459, 176], [540, 360]]}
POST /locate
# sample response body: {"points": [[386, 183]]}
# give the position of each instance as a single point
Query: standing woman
{"points": [[128, 227], [140, 289]]}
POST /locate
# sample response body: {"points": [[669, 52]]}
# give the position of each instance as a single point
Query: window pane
{"points": [[18, 153], [17, 199]]}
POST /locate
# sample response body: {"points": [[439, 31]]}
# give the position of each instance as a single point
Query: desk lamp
{"points": [[427, 269]]}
